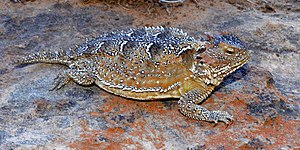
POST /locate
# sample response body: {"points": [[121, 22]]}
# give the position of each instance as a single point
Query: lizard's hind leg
{"points": [[82, 72], [81, 76], [61, 80]]}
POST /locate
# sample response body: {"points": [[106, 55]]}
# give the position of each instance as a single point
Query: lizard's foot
{"points": [[60, 81], [188, 107], [216, 116]]}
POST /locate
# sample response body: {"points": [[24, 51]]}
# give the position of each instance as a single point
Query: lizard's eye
{"points": [[201, 62], [229, 51]]}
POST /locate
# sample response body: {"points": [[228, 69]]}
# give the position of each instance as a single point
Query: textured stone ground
{"points": [[263, 96]]}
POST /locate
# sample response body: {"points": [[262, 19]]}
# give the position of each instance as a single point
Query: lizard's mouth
{"points": [[237, 65], [224, 71]]}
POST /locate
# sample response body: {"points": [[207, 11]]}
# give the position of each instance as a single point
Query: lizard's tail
{"points": [[45, 57]]}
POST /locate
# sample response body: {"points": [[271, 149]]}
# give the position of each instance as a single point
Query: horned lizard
{"points": [[153, 63]]}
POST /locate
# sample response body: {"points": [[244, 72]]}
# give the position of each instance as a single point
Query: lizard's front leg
{"points": [[188, 107]]}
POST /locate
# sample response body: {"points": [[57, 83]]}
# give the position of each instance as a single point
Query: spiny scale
{"points": [[153, 63]]}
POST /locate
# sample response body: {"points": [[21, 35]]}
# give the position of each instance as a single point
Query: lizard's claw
{"points": [[220, 116]]}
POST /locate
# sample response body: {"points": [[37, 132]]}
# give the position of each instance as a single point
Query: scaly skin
{"points": [[153, 63]]}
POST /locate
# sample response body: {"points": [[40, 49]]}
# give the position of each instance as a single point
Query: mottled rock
{"points": [[265, 93]]}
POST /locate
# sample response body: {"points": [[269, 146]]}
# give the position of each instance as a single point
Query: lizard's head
{"points": [[221, 56]]}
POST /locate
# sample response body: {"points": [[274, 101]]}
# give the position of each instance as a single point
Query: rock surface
{"points": [[263, 96]]}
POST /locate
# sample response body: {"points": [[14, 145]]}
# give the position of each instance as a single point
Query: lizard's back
{"points": [[147, 63]]}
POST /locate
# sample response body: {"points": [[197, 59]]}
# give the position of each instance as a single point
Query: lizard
{"points": [[152, 63]]}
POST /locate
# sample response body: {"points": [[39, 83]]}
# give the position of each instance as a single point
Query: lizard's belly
{"points": [[143, 93], [145, 84]]}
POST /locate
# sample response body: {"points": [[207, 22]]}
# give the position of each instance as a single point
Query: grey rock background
{"points": [[263, 96]]}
